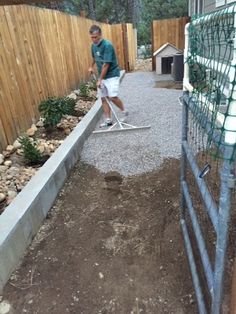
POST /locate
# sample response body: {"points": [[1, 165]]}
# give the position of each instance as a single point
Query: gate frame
{"points": [[219, 216]]}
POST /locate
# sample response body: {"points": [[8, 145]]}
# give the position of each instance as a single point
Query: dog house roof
{"points": [[167, 50]]}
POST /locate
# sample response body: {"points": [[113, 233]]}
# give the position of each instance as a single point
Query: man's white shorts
{"points": [[109, 87]]}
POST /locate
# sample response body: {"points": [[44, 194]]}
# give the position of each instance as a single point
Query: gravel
{"points": [[140, 151]]}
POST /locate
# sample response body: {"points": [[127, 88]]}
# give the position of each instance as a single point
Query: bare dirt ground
{"points": [[111, 244], [169, 84]]}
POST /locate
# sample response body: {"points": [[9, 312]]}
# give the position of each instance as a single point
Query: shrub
{"points": [[147, 52], [53, 109], [30, 150], [84, 91], [93, 84]]}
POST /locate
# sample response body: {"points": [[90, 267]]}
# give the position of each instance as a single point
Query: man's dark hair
{"points": [[95, 29]]}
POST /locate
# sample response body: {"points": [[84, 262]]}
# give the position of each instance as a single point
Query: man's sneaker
{"points": [[124, 115], [106, 123]]}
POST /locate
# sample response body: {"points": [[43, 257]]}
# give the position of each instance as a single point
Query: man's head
{"points": [[95, 34]]}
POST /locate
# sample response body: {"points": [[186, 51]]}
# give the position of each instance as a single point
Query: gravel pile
{"points": [[136, 152]]}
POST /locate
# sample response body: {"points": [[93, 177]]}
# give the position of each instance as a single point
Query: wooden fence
{"points": [[132, 46], [45, 53], [169, 30]]}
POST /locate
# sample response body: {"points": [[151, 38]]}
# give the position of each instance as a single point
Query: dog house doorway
{"points": [[166, 65]]}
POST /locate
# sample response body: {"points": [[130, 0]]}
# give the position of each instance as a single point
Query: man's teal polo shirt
{"points": [[102, 53]]}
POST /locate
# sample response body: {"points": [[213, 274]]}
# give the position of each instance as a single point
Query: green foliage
{"points": [[84, 90], [147, 53], [92, 85], [144, 34], [53, 109], [139, 12], [30, 150]]}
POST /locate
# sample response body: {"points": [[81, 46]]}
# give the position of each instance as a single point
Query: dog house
{"points": [[164, 58]]}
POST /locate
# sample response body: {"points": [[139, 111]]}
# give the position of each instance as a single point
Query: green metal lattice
{"points": [[211, 58]]}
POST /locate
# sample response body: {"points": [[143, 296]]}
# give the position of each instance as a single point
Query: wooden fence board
{"points": [[10, 91], [33, 18], [32, 42], [117, 40], [3, 139], [132, 49], [23, 52]]}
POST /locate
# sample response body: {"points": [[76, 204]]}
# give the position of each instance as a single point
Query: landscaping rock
{"points": [[10, 149], [11, 194], [8, 163], [41, 148], [14, 171], [67, 131], [72, 96], [34, 127], [3, 169], [19, 152], [5, 308], [2, 197], [30, 132], [1, 159], [3, 189], [68, 122], [40, 123], [6, 153], [17, 144]]}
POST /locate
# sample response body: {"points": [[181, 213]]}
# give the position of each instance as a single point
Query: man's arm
{"points": [[91, 67], [105, 68]]}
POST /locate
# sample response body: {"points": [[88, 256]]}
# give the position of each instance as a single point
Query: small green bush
{"points": [[53, 109], [84, 91], [30, 150], [147, 53], [92, 85]]}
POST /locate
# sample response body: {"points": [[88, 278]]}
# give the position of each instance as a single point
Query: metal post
{"points": [[226, 188], [222, 234], [183, 156], [193, 268], [184, 123]]}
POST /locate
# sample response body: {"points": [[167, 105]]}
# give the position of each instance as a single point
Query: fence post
{"points": [[125, 47], [222, 233], [152, 35]]}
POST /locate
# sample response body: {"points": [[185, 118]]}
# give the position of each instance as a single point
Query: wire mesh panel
{"points": [[208, 150], [212, 65]]}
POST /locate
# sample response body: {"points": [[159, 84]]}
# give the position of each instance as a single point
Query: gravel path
{"points": [[136, 152]]}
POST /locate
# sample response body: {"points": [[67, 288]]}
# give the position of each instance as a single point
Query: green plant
{"points": [[30, 151], [147, 53], [84, 91], [53, 109], [92, 85]]}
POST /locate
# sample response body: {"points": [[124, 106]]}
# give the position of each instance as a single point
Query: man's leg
{"points": [[112, 86], [117, 102], [106, 108]]}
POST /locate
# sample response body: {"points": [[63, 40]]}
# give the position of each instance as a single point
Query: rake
{"points": [[120, 126]]}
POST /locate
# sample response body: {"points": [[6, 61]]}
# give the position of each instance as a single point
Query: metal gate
{"points": [[208, 150]]}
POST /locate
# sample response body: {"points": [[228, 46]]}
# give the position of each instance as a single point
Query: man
{"points": [[104, 56]]}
